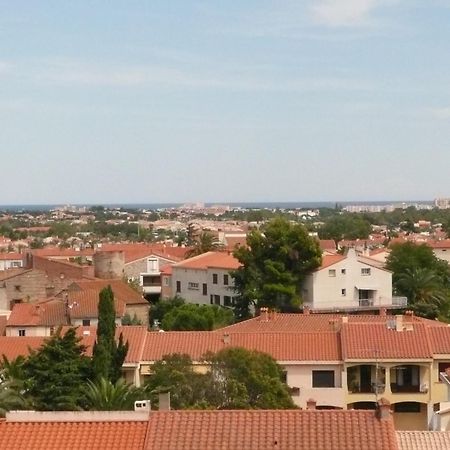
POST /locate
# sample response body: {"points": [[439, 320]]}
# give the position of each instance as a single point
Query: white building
{"points": [[349, 282], [205, 279]]}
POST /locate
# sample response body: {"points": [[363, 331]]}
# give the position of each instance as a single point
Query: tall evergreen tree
{"points": [[108, 355], [55, 374]]}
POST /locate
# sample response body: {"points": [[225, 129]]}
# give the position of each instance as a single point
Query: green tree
{"points": [[108, 355], [241, 378], [175, 373], [274, 264], [159, 309], [55, 373], [10, 398], [190, 317], [412, 256], [104, 395], [345, 226], [206, 242]]}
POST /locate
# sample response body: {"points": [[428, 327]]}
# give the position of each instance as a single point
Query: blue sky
{"points": [[158, 101]]}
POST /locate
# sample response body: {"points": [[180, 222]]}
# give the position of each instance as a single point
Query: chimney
{"points": [[264, 316], [311, 404], [408, 320], [226, 338], [383, 411], [334, 324], [344, 319], [399, 322], [306, 310], [164, 401], [383, 312]]}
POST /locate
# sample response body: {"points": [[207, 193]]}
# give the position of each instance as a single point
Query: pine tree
{"points": [[55, 373], [108, 356]]}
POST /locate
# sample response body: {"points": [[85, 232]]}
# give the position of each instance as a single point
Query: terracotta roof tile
{"points": [[329, 260], [10, 273], [84, 304], [423, 440], [121, 290], [72, 435], [11, 256], [14, 346], [266, 430], [45, 313], [360, 341], [219, 260], [57, 252], [324, 346], [440, 339]]}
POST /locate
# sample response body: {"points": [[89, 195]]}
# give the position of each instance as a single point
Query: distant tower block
{"points": [[109, 265]]}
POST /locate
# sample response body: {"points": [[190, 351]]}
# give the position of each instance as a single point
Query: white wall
{"points": [[300, 376], [325, 291]]}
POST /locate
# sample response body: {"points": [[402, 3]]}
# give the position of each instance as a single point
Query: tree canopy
{"points": [[422, 277], [345, 226], [274, 264], [55, 373], [236, 378]]}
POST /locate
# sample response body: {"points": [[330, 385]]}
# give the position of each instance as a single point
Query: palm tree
{"points": [[421, 285], [10, 397], [107, 396], [206, 242]]}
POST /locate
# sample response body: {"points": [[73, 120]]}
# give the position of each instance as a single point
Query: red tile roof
{"points": [[329, 260], [276, 322], [121, 290], [323, 346], [57, 252], [11, 256], [134, 252], [327, 244], [44, 313], [72, 435], [84, 304], [218, 260], [423, 440], [14, 346], [440, 340], [10, 273], [268, 430], [377, 341]]}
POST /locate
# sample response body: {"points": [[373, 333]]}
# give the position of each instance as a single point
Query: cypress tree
{"points": [[108, 356]]}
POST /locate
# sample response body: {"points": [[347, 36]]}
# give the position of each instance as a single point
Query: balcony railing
{"points": [[400, 301]]}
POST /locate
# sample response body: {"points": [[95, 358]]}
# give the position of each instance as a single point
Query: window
{"points": [[193, 286], [343, 292], [365, 271], [205, 289], [211, 299], [343, 271], [442, 367], [52, 331], [178, 286], [217, 299], [21, 332], [225, 279], [407, 407], [86, 322], [322, 378], [227, 300], [215, 278], [331, 272]]}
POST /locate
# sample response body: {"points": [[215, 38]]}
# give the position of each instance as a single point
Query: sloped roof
{"points": [[440, 340], [423, 440], [136, 251], [10, 273], [57, 252], [44, 313], [11, 256], [84, 304], [324, 346], [269, 429], [121, 290], [360, 341], [14, 346], [218, 260], [275, 322], [72, 435]]}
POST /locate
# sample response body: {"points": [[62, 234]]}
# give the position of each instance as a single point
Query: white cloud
{"points": [[343, 12]]}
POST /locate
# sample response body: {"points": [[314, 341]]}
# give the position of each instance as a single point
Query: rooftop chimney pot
{"points": [[311, 404]]}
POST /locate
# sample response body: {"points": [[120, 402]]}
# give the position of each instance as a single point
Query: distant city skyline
{"points": [[224, 102]]}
